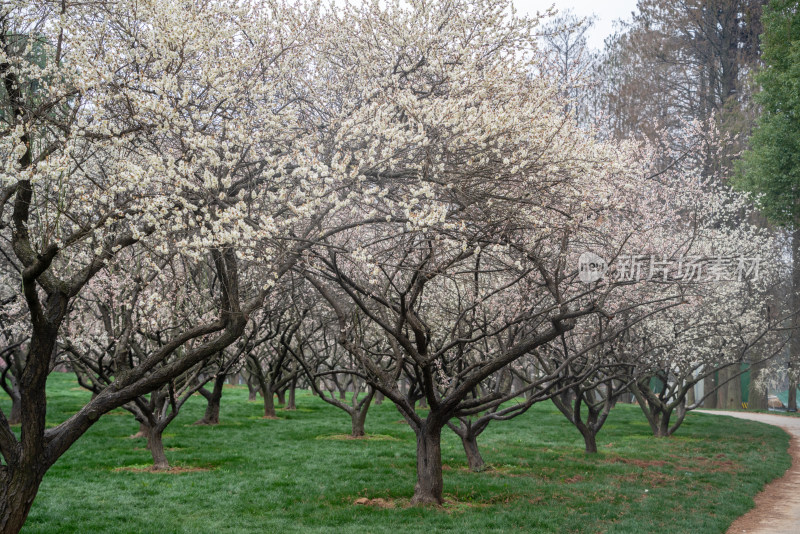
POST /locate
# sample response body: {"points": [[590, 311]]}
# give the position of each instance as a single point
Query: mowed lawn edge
{"points": [[250, 474]]}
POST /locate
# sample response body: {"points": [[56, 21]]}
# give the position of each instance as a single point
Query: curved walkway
{"points": [[777, 509]]}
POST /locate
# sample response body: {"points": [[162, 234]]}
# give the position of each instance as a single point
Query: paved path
{"points": [[777, 509]]}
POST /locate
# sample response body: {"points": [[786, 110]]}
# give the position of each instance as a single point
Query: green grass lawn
{"points": [[279, 476]]}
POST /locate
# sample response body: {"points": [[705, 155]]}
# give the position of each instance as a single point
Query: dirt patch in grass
{"points": [[708, 465], [377, 503], [654, 479], [368, 437], [644, 464], [451, 503], [168, 449], [647, 474], [513, 471], [174, 470]]}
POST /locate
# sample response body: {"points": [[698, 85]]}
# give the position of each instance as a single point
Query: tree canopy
{"points": [[771, 168]]}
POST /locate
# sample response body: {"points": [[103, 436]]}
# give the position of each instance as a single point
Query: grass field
{"points": [[286, 475]]}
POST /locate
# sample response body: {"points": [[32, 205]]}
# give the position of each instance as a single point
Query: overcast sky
{"points": [[606, 11]]}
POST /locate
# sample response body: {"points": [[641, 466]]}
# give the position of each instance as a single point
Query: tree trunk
{"points": [[211, 416], [357, 419], [679, 414], [269, 402], [292, 405], [709, 383], [757, 397], [734, 389], [470, 442], [657, 416], [722, 392], [572, 411], [18, 488], [662, 430], [144, 431], [281, 393], [15, 417], [23, 470], [252, 392], [359, 415], [430, 485], [794, 357], [156, 446], [378, 398], [589, 439]]}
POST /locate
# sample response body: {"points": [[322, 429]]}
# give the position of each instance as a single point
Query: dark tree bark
{"points": [[358, 414], [734, 391], [25, 467], [159, 411], [596, 412], [357, 409], [469, 431], [292, 404], [156, 446], [589, 439], [709, 383], [722, 391], [474, 458], [658, 412], [270, 373], [15, 417], [214, 398], [430, 485], [357, 424], [269, 401], [18, 488], [144, 431]]}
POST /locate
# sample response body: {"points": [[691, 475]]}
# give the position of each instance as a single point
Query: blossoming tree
{"points": [[141, 125]]}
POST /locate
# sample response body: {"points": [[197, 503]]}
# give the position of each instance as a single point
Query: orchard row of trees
{"points": [[719, 85], [391, 198]]}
